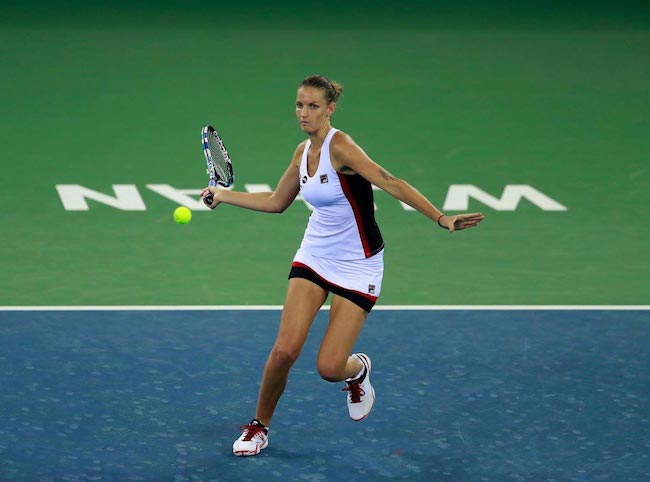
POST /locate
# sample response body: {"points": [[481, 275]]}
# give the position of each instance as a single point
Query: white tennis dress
{"points": [[342, 243]]}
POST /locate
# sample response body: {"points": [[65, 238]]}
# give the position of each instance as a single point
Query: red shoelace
{"points": [[250, 431], [356, 392]]}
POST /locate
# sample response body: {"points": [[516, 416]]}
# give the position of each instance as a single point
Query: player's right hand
{"points": [[210, 192]]}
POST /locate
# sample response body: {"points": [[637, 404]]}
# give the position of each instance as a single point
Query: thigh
{"points": [[345, 324], [302, 303]]}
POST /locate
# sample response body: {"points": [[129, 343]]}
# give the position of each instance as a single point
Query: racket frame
{"points": [[215, 178]]}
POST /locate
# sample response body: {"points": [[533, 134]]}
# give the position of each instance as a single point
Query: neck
{"points": [[317, 138]]}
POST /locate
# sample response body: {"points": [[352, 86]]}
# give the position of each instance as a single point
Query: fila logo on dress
{"points": [[323, 178]]}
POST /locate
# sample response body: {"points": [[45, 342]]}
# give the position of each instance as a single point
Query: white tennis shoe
{"points": [[254, 437], [361, 395]]}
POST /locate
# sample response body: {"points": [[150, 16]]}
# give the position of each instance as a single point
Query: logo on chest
{"points": [[323, 178]]}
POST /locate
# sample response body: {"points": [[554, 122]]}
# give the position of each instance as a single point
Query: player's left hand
{"points": [[460, 221]]}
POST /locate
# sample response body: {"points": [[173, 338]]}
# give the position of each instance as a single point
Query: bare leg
{"points": [[303, 301], [334, 361]]}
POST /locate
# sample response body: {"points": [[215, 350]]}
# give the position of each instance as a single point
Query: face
{"points": [[312, 109]]}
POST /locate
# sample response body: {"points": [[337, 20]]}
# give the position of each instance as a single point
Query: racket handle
{"points": [[207, 200]]}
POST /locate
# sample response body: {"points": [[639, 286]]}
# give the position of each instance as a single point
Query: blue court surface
{"points": [[481, 395]]}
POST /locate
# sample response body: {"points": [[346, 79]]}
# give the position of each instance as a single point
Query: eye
{"points": [[314, 106]]}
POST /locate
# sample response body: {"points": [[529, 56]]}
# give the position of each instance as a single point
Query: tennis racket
{"points": [[216, 156]]}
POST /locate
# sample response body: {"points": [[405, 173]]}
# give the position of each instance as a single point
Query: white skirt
{"points": [[361, 275]]}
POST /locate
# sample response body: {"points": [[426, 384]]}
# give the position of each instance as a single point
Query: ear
{"points": [[331, 108]]}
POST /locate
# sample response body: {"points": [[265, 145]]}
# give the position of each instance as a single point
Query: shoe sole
{"points": [[368, 365]]}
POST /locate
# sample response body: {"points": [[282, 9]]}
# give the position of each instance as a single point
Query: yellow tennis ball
{"points": [[182, 215]]}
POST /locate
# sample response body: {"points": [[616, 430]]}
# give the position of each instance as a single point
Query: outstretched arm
{"points": [[348, 158], [269, 202]]}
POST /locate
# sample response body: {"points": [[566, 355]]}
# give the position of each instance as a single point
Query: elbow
{"points": [[278, 206], [274, 207], [279, 209]]}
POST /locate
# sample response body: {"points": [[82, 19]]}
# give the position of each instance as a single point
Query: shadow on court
{"points": [[462, 396]]}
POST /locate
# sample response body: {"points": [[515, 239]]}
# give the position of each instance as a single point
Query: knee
{"points": [[330, 371], [283, 357]]}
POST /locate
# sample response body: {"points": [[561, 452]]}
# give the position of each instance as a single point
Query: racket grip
{"points": [[207, 200]]}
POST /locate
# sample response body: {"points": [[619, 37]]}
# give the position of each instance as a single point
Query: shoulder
{"points": [[301, 147], [297, 154], [345, 153], [342, 144], [340, 139]]}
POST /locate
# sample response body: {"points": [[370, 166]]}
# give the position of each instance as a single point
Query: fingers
{"points": [[469, 220], [467, 225], [460, 221], [207, 196], [209, 201], [471, 217], [464, 221]]}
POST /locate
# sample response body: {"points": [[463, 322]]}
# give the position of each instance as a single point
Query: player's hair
{"points": [[333, 90]]}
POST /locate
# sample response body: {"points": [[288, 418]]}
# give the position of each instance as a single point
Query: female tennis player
{"points": [[341, 253]]}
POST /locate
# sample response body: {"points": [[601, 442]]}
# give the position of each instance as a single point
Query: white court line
{"points": [[326, 307]]}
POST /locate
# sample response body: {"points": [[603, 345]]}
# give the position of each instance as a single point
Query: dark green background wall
{"points": [[483, 93]]}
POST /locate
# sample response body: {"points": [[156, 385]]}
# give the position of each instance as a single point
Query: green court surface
{"points": [[485, 94]]}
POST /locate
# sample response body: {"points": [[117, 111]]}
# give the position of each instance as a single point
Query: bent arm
{"points": [[268, 202], [348, 156]]}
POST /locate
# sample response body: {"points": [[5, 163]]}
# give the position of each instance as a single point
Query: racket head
{"points": [[217, 159]]}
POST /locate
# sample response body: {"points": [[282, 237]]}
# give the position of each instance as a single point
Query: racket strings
{"points": [[217, 151]]}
